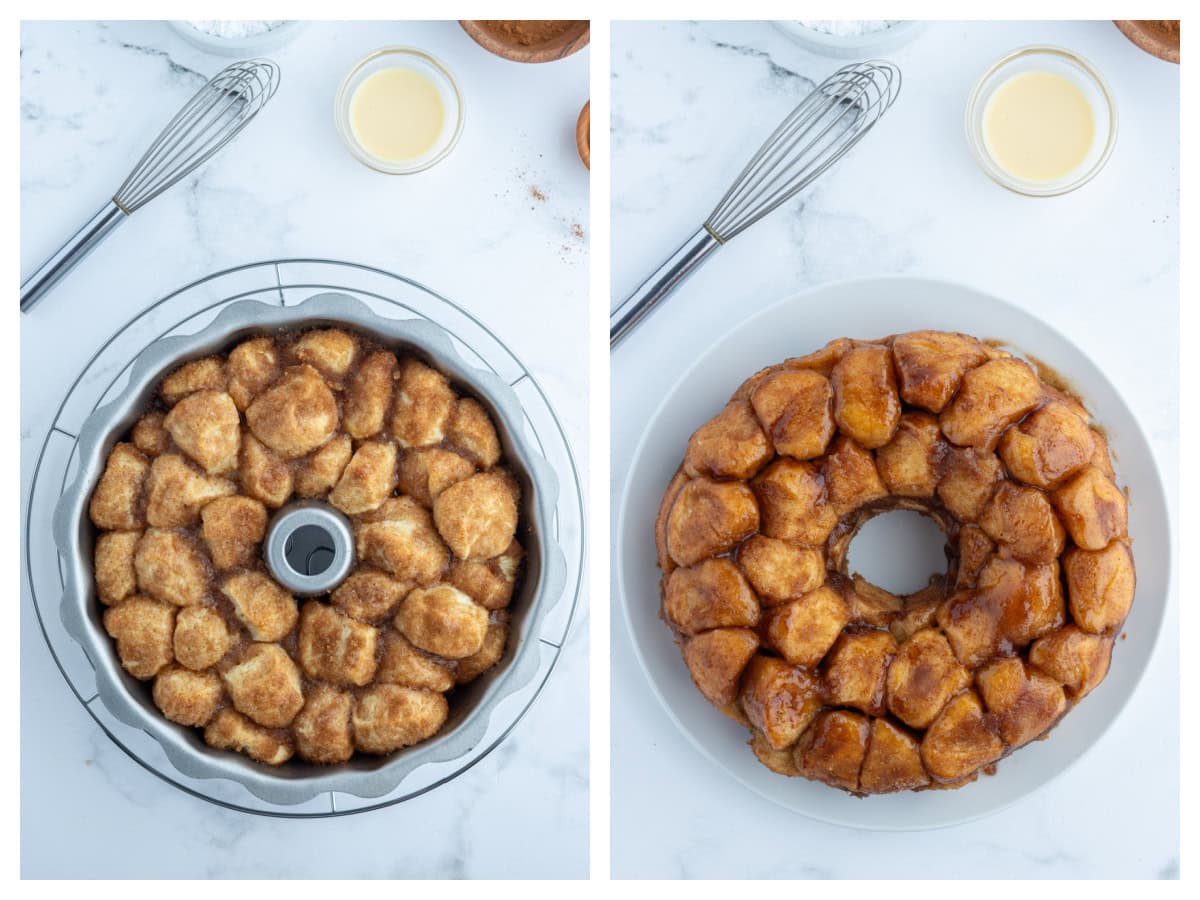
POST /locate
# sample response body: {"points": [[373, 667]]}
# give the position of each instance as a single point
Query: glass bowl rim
{"points": [[344, 94], [979, 150]]}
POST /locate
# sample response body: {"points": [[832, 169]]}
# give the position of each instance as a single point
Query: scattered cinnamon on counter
{"points": [[528, 32]]}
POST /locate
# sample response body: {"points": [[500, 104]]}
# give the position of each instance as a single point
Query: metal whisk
{"points": [[817, 133], [205, 124]]}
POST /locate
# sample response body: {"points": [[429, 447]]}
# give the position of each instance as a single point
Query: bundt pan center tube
{"points": [[310, 548]]}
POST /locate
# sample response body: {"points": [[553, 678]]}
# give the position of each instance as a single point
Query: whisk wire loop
{"points": [[207, 122], [822, 128]]}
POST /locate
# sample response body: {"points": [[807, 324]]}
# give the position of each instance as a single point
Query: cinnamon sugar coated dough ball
{"points": [[295, 416], [233, 529], [369, 396], [206, 426], [477, 517], [202, 637], [177, 491], [183, 505], [170, 566], [265, 476], [207, 374], [322, 727], [422, 406], [265, 686], [400, 538], [118, 501], [142, 628], [323, 468], [443, 620], [267, 611], [334, 647], [253, 367], [387, 717], [425, 473], [837, 679], [369, 595], [116, 578], [187, 697]]}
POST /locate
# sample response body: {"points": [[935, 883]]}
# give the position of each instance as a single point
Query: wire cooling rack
{"points": [[287, 282]]}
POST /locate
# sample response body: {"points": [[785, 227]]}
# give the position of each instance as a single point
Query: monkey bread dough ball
{"points": [[477, 517], [187, 697], [230, 730], [399, 537], [423, 404], [233, 529], [443, 620], [471, 430], [143, 628], [177, 492], [322, 727], [334, 647], [369, 595], [171, 566], [837, 679], [387, 717], [253, 366], [117, 502], [321, 470], [324, 416], [426, 472], [330, 351], [206, 426], [202, 637], [207, 374], [265, 685], [367, 480], [266, 610], [116, 577], [295, 416], [405, 664]]}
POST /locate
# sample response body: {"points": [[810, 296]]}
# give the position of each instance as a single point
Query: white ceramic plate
{"points": [[871, 308]]}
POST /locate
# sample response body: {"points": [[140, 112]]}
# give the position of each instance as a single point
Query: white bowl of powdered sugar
{"points": [[850, 37], [238, 37]]}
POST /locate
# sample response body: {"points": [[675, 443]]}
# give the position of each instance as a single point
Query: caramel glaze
{"points": [[285, 339], [941, 588]]}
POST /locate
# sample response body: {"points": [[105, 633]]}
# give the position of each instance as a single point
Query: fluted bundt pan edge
{"points": [[130, 700]]}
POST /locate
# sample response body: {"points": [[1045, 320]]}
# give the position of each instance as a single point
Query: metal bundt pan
{"points": [[471, 706]]}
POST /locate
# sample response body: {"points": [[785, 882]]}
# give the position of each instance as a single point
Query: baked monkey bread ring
{"points": [[313, 419], [837, 679]]}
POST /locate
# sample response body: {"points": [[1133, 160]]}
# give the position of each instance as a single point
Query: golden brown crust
{"points": [[795, 409], [945, 681], [730, 445]]}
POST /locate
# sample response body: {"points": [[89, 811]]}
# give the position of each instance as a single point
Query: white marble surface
{"points": [[690, 103], [493, 226]]}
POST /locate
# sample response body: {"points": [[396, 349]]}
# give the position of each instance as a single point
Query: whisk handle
{"points": [[69, 254], [662, 282]]}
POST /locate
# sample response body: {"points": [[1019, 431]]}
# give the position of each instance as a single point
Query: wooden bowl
{"points": [[1159, 37], [485, 33], [583, 134]]}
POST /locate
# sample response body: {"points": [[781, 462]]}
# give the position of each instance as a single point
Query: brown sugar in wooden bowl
{"points": [[1159, 37], [583, 134], [529, 40]]}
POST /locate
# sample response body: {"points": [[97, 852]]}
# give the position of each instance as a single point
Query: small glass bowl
{"points": [[417, 61], [1063, 62]]}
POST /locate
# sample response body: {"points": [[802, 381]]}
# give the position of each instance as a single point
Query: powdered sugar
{"points": [[848, 27], [232, 29]]}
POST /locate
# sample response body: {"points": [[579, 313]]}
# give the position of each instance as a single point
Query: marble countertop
{"points": [[690, 102], [500, 226]]}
